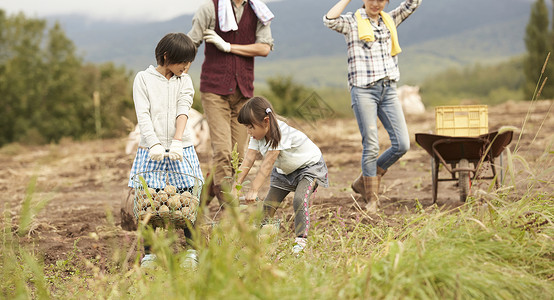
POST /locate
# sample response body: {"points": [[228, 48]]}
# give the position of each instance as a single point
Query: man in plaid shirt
{"points": [[373, 46]]}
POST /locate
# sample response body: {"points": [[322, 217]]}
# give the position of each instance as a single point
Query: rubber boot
{"points": [[358, 184], [222, 192], [380, 173], [371, 191], [219, 194]]}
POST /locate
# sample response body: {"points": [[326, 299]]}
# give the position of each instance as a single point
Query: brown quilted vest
{"points": [[223, 72]]}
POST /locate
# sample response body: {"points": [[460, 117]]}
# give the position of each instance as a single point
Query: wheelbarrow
{"points": [[457, 153]]}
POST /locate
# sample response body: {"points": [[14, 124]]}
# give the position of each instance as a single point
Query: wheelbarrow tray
{"points": [[453, 148], [450, 150]]}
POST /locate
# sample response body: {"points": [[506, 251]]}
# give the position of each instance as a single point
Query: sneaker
{"points": [[148, 261], [191, 260], [299, 245]]}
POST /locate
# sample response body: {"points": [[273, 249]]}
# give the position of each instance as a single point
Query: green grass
{"points": [[495, 247]]}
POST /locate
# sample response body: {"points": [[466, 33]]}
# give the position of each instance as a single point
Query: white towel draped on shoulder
{"points": [[227, 21]]}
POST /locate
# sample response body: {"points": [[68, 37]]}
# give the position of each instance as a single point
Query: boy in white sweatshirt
{"points": [[163, 96]]}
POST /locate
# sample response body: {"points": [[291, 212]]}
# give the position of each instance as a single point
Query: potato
{"points": [[152, 193], [142, 203], [163, 211], [177, 214], [194, 201], [174, 202], [155, 204], [185, 200], [186, 211], [170, 190], [189, 213], [162, 197], [140, 194]]}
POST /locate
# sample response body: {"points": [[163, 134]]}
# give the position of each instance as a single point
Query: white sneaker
{"points": [[191, 260], [148, 261], [299, 245]]}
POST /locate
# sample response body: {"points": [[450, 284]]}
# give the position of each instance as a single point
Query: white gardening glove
{"points": [[156, 152], [176, 150], [211, 36]]}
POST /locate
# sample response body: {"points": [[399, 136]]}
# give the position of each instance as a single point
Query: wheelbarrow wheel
{"points": [[463, 179]]}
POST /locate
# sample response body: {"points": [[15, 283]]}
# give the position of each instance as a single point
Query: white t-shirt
{"points": [[297, 150]]}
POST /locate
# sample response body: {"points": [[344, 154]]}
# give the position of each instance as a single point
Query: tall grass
{"points": [[497, 248]]}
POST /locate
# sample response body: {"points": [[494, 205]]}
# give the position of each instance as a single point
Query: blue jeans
{"points": [[380, 101]]}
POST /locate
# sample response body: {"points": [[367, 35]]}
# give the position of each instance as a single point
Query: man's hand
{"points": [[156, 152], [211, 36], [176, 150]]}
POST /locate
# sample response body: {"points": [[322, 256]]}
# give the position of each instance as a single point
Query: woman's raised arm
{"points": [[336, 10]]}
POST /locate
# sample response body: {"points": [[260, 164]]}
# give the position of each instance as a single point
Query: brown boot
{"points": [[223, 194], [371, 191], [219, 194], [358, 185], [208, 190], [380, 173]]}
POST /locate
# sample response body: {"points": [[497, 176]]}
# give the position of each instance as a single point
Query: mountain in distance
{"points": [[439, 35]]}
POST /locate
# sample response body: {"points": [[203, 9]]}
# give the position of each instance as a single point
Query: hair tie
{"points": [[267, 110]]}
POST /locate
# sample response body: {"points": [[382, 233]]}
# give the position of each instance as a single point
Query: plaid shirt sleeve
{"points": [[342, 24], [404, 10]]}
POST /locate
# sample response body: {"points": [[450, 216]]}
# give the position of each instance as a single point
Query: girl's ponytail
{"points": [[274, 131], [254, 113]]}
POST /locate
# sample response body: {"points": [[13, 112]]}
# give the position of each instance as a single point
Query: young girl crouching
{"points": [[294, 161]]}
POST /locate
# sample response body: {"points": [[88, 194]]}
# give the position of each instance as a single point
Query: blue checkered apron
{"points": [[159, 173]]}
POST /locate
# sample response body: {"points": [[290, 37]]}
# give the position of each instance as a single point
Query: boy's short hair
{"points": [[175, 48]]}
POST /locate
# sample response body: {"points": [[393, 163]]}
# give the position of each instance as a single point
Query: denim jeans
{"points": [[380, 101]]}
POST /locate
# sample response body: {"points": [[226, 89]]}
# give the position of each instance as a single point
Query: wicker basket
{"points": [[168, 205]]}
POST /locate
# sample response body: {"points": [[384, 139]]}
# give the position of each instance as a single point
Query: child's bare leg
{"points": [[301, 203]]}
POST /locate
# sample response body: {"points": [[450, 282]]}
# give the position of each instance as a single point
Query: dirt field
{"points": [[84, 183]]}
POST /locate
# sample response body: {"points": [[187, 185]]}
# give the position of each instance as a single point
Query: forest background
{"points": [[69, 76]]}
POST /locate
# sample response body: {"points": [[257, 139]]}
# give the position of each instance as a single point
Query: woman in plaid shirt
{"points": [[373, 47]]}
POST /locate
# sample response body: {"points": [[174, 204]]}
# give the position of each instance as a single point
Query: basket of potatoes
{"points": [[167, 205]]}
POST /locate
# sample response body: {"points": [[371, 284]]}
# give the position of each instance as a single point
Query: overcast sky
{"points": [[124, 10]]}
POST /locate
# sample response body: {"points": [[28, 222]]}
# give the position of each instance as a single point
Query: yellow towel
{"points": [[365, 31]]}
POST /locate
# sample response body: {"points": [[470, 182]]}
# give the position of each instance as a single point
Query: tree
{"points": [[21, 74], [56, 113], [538, 43], [46, 92], [114, 85], [285, 94]]}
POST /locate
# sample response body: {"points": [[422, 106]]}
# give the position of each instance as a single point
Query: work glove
{"points": [[211, 36], [176, 150], [156, 152]]}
